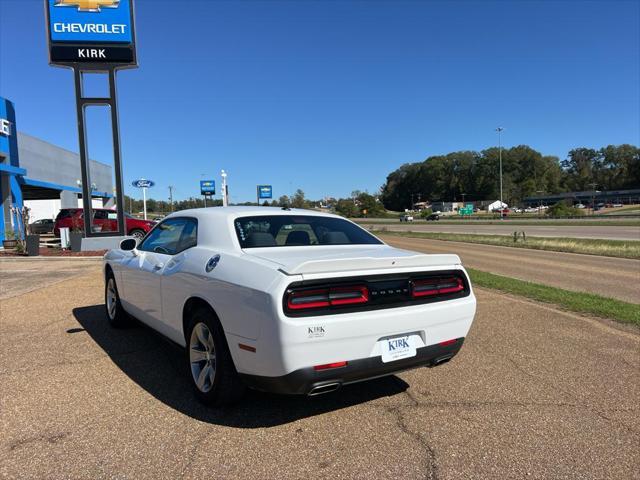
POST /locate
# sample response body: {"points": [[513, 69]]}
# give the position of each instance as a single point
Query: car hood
{"points": [[336, 258]]}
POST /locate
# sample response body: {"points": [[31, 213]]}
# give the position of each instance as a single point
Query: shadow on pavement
{"points": [[158, 366]]}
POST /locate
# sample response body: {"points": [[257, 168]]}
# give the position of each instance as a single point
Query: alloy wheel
{"points": [[202, 356], [112, 298]]}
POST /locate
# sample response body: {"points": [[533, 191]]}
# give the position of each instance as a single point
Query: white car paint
{"points": [[247, 287]]}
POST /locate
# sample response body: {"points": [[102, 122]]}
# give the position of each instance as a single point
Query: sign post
{"points": [[143, 184], [93, 36], [264, 192]]}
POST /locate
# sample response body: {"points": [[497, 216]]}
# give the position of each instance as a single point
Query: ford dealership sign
{"points": [[142, 183]]}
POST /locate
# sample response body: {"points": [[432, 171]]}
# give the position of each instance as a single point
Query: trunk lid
{"points": [[335, 258]]}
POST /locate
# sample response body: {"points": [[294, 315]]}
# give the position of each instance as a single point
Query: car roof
{"points": [[234, 212]]}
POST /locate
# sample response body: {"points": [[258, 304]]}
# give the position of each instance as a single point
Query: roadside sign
{"points": [[91, 32], [265, 192], [467, 210], [143, 183], [207, 187]]}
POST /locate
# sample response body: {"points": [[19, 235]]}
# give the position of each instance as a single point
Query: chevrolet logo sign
{"points": [[88, 5]]}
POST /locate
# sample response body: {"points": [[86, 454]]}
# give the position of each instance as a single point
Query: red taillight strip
{"points": [[327, 297], [436, 286], [348, 295], [308, 299]]}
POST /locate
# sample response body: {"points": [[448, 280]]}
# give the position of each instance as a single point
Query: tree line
{"points": [[474, 176], [163, 207], [358, 205]]}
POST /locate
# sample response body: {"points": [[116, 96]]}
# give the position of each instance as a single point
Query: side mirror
{"points": [[128, 244]]}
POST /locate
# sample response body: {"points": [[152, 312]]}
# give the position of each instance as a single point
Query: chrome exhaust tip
{"points": [[327, 388], [441, 360]]}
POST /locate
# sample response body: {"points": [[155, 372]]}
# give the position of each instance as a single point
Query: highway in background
{"points": [[607, 232], [611, 277]]}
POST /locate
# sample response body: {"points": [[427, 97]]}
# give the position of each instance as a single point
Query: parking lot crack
{"points": [[51, 439], [432, 467]]}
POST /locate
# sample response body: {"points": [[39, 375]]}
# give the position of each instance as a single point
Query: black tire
{"points": [[138, 233], [116, 315], [222, 387]]}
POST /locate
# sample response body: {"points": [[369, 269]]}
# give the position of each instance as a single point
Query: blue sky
{"points": [[332, 96]]}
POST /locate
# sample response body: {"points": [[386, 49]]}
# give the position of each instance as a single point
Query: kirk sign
{"points": [[91, 32]]}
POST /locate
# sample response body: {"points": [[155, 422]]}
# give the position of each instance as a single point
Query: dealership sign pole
{"points": [[143, 184], [93, 36]]}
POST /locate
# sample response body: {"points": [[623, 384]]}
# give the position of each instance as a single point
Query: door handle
{"points": [[158, 266]]}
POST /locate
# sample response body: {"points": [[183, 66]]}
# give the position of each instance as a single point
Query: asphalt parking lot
{"points": [[534, 393]]}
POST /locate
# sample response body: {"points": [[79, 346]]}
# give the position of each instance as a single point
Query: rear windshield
{"points": [[299, 230]]}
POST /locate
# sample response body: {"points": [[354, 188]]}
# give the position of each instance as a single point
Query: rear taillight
{"points": [[329, 366], [308, 299], [327, 297], [436, 286]]}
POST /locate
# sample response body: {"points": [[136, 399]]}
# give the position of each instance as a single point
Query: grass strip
{"points": [[578, 302], [589, 246], [606, 222]]}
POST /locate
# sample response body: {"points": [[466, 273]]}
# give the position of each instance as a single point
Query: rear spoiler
{"points": [[371, 263]]}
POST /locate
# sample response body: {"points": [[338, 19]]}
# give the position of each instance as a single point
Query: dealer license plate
{"points": [[397, 348]]}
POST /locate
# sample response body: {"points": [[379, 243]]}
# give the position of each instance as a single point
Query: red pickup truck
{"points": [[103, 219]]}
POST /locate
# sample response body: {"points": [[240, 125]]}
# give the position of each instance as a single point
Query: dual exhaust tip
{"points": [[332, 387]]}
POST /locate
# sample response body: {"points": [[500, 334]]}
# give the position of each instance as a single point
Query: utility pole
{"points": [[593, 197], [499, 130], [540, 193], [171, 198]]}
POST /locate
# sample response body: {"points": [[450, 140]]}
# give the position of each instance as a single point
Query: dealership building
{"points": [[42, 176]]}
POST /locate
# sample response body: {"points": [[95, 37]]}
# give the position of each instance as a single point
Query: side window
{"points": [[100, 214], [189, 236], [165, 238], [172, 236]]}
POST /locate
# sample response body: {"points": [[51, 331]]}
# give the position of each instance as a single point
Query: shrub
{"points": [[564, 209], [426, 212]]}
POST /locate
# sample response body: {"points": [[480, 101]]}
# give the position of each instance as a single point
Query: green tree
{"points": [[298, 200], [347, 208], [284, 201]]}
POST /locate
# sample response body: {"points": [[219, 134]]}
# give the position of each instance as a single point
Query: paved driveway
{"points": [[535, 393]]}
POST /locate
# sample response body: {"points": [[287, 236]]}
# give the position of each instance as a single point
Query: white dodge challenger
{"points": [[287, 301]]}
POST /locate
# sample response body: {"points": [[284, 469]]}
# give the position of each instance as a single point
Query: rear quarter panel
{"points": [[238, 289]]}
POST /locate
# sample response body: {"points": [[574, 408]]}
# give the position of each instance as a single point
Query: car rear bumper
{"points": [[308, 381]]}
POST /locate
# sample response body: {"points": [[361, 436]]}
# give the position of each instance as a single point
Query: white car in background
{"points": [[287, 301]]}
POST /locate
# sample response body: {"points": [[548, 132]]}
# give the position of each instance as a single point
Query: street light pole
{"points": [[223, 174], [499, 130]]}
